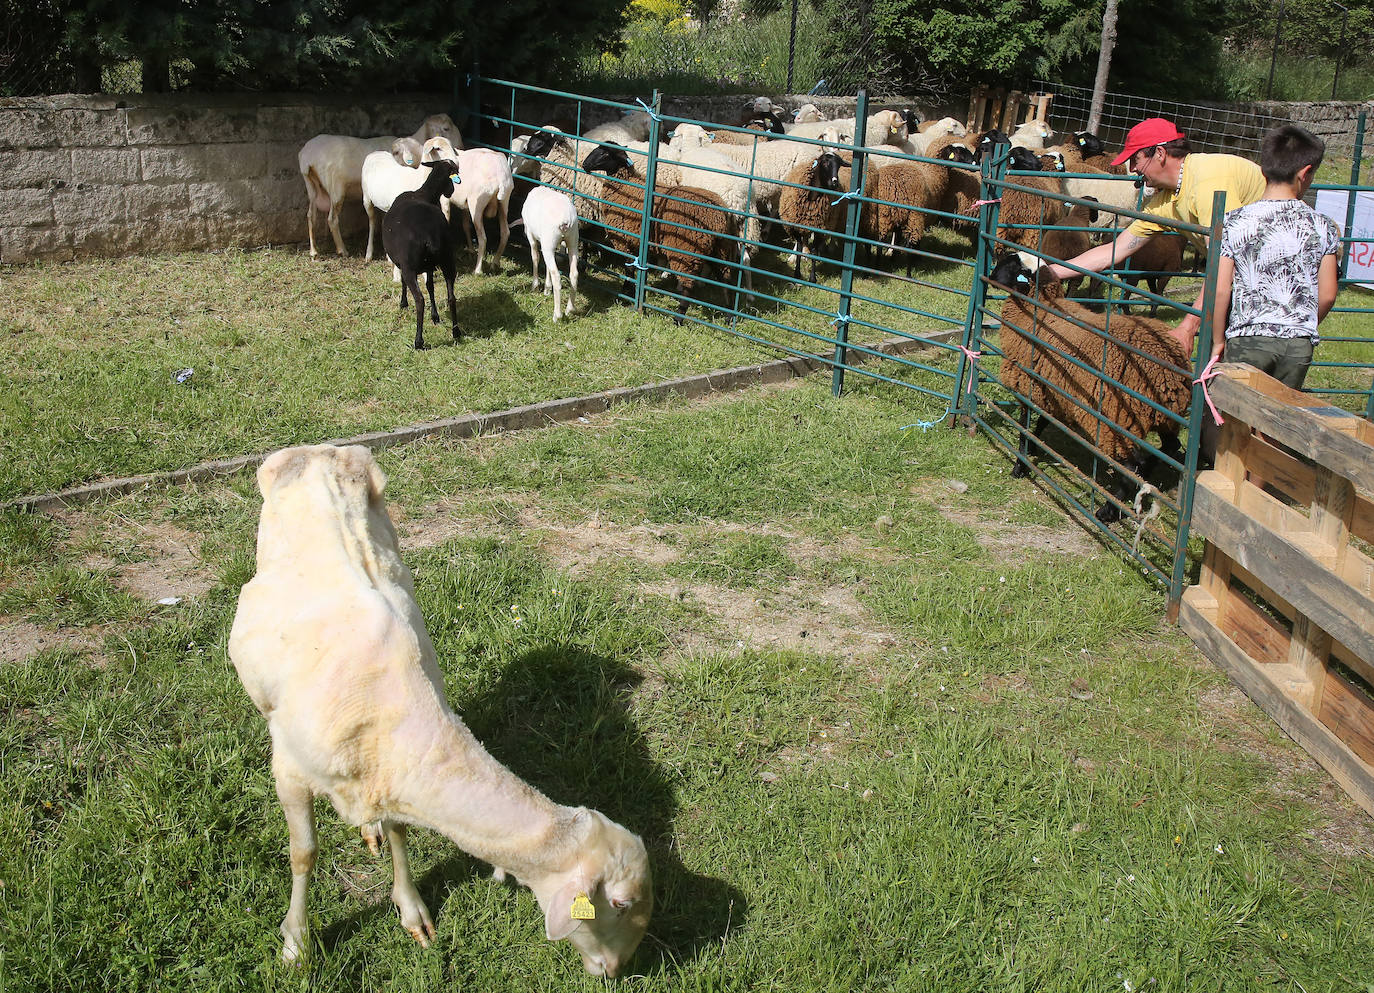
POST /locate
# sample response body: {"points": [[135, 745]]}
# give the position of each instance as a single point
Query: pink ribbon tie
{"points": [[984, 203], [971, 355], [1209, 373]]}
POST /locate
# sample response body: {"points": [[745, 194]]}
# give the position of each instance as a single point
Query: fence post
{"points": [[475, 105], [965, 401], [851, 230], [1350, 198], [641, 262], [1197, 408]]}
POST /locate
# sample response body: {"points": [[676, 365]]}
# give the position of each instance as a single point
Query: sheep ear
{"points": [[571, 898]]}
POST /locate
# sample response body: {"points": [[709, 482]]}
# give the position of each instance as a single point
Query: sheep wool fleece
{"points": [[1203, 175]]}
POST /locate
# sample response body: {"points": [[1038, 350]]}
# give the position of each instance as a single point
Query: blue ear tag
{"points": [[1023, 278]]}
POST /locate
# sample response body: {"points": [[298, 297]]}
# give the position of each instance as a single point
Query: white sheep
{"points": [[550, 222], [807, 113], [484, 190], [632, 126], [1032, 135], [387, 174], [945, 127], [331, 646], [332, 167]]}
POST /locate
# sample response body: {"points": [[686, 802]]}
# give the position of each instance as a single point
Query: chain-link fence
{"points": [[1210, 127]]}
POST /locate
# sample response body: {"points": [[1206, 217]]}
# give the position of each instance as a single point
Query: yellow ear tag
{"points": [[583, 909]]}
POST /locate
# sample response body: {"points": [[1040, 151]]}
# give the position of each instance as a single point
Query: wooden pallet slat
{"points": [[1284, 600]]}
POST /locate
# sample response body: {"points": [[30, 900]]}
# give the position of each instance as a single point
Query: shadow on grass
{"points": [[557, 717]]}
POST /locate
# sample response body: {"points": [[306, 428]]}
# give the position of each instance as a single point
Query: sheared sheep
{"points": [[550, 221], [389, 174], [331, 646], [1076, 331], [332, 167], [485, 191]]}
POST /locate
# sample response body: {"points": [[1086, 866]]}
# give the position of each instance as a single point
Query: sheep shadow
{"points": [[491, 309], [558, 718]]}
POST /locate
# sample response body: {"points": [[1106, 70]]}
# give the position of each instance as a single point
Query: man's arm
{"points": [[1103, 256]]}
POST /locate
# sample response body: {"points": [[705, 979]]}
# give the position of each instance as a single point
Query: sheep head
{"points": [[1089, 144], [807, 113], [437, 148], [542, 142], [1024, 273], [1024, 159], [610, 159], [603, 902]]}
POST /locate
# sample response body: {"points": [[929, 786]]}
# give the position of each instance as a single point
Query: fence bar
{"points": [[965, 401], [1198, 408], [851, 229], [1350, 200], [641, 263]]}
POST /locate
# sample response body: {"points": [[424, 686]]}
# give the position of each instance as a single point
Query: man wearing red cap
{"points": [[1184, 183]]}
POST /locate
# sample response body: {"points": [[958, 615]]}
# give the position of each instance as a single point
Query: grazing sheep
{"points": [[332, 649], [690, 229], [550, 221], [417, 238], [485, 191], [332, 167], [1157, 375]]}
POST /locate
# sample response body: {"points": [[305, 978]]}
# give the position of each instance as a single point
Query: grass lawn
{"points": [[884, 716], [885, 719]]}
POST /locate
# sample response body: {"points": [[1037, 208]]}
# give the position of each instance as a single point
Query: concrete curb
{"points": [[535, 415]]}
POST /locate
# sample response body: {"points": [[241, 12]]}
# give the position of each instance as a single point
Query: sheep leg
{"points": [[1022, 468], [477, 210], [371, 227], [534, 265], [372, 837], [311, 194], [433, 308], [570, 243], [450, 270], [298, 803], [552, 281], [412, 280], [1109, 512], [504, 224], [334, 210], [414, 914]]}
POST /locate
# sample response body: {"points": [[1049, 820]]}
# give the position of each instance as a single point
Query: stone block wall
{"points": [[99, 175]]}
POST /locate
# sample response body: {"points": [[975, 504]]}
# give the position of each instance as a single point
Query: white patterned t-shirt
{"points": [[1277, 247]]}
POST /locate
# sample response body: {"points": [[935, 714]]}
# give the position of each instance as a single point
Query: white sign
{"points": [[1359, 253]]}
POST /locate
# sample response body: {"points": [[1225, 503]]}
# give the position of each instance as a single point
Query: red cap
{"points": [[1148, 133]]}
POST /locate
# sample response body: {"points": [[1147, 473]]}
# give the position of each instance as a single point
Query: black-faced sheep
{"points": [[417, 238], [690, 230], [809, 207], [1070, 393]]}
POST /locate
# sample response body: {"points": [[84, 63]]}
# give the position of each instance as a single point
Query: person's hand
{"points": [[1187, 330], [1217, 349]]}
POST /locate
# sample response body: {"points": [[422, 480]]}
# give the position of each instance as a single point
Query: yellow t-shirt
{"points": [[1203, 175]]}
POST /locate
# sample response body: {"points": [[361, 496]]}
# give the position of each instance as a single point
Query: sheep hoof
{"points": [[1020, 471]]}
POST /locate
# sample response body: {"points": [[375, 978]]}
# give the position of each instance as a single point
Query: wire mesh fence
{"points": [[1210, 127]]}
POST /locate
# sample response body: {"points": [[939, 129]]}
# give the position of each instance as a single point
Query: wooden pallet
{"points": [[1285, 601]]}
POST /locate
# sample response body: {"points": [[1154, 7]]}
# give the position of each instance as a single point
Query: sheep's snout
{"points": [[597, 965]]}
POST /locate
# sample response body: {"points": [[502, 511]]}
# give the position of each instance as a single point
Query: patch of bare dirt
{"points": [[829, 620], [1008, 542], [20, 639], [169, 562]]}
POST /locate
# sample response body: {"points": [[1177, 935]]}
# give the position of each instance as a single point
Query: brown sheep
{"points": [[685, 237], [1156, 262], [807, 214], [907, 191], [1154, 374]]}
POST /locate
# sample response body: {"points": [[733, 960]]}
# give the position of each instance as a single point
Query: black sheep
{"points": [[417, 238]]}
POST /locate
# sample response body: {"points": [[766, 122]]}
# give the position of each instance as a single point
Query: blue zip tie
{"points": [[840, 319], [649, 110], [851, 195], [927, 425], [634, 264]]}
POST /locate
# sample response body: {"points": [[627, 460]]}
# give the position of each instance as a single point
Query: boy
{"points": [[1278, 271]]}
